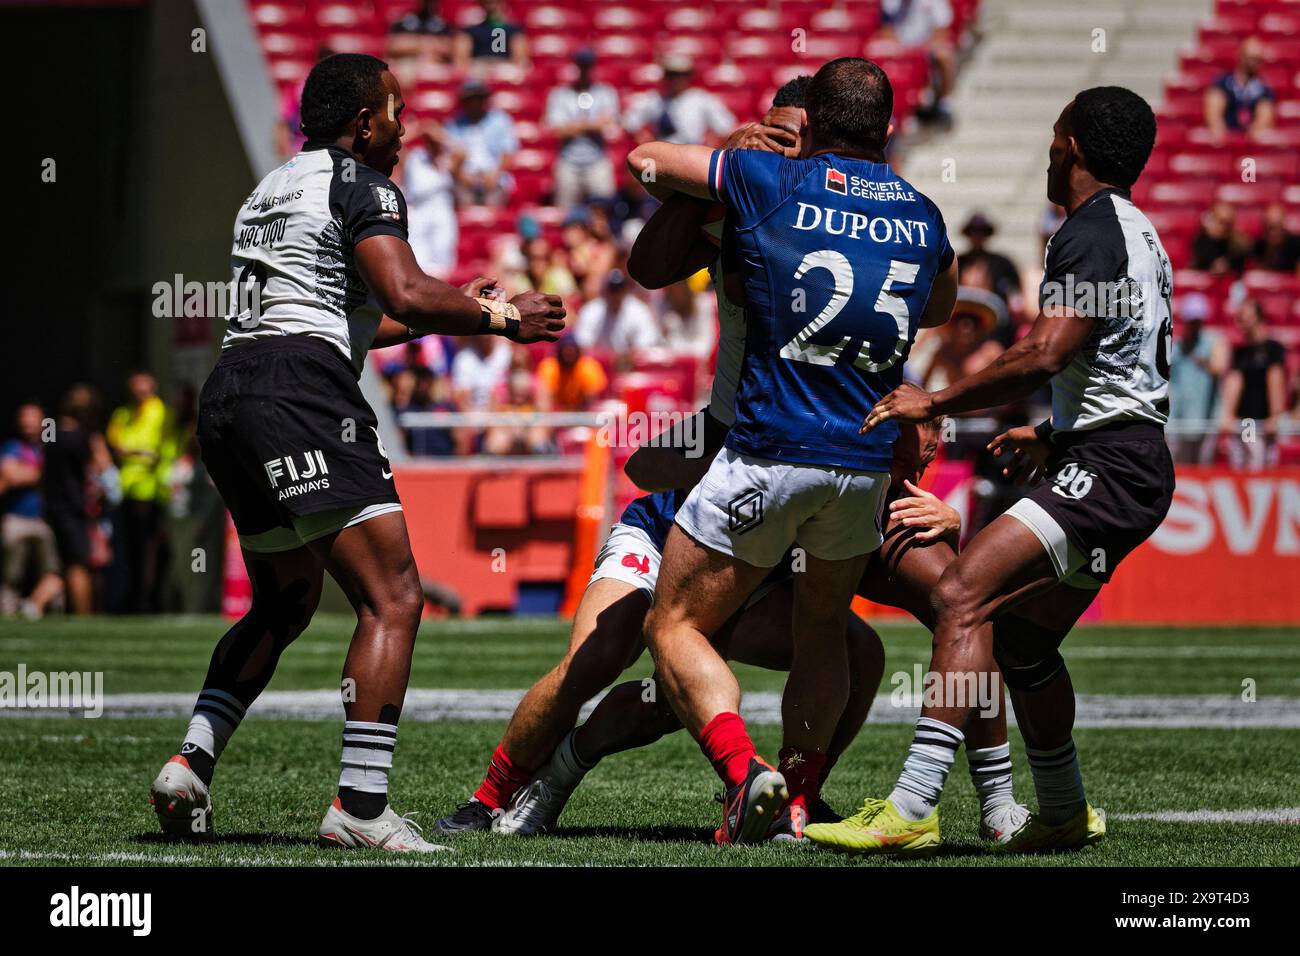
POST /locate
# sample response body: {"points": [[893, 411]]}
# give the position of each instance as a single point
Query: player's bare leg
{"points": [[817, 690], [286, 589], [1026, 642], [1003, 566], [604, 639], [698, 589], [903, 573], [634, 714], [373, 564]]}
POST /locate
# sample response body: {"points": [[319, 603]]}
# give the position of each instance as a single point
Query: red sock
{"points": [[803, 772], [503, 780], [726, 743]]}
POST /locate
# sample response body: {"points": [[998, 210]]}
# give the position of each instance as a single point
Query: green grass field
{"points": [[73, 791]]}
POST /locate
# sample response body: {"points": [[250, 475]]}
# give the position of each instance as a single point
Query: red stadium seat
{"points": [[548, 18], [611, 18]]}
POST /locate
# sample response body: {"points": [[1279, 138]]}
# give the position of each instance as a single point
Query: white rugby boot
{"points": [[182, 801], [537, 807], [388, 831], [1001, 822]]}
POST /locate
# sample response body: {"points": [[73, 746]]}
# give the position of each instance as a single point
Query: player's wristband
{"points": [[499, 318], [1043, 431]]}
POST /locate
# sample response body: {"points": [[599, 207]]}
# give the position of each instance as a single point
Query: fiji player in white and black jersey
{"points": [[323, 273], [1102, 338]]}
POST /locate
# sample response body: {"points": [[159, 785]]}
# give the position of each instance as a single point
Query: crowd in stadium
{"points": [[564, 226], [85, 500]]}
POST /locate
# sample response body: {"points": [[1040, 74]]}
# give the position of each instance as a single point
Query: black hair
{"points": [[793, 93], [337, 88], [850, 102], [1115, 130]]}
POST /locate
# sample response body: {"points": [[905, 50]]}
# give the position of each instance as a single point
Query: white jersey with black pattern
{"points": [[293, 252], [1106, 262]]}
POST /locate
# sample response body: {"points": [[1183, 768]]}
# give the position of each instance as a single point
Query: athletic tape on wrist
{"points": [[499, 318]]}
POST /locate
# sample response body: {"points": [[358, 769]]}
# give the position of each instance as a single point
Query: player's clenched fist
{"points": [[907, 403], [541, 317], [1028, 454]]}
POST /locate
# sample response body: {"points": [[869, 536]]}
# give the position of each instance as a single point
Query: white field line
{"points": [[254, 859], [1097, 710], [1285, 815]]}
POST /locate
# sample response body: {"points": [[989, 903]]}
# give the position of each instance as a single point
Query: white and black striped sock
{"points": [[367, 758], [990, 772], [934, 748], [1057, 781], [217, 715]]}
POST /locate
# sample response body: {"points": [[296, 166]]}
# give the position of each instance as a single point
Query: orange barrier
{"points": [[591, 521]]}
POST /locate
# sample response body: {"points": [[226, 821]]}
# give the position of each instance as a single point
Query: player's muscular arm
{"points": [[1049, 347], [425, 304], [670, 247], [671, 167], [392, 332], [943, 296]]}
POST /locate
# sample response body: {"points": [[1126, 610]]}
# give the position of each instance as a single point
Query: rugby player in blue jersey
{"points": [[841, 262]]}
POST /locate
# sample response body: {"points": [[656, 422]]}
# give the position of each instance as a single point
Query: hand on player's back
{"points": [[541, 317], [907, 403], [1028, 454]]}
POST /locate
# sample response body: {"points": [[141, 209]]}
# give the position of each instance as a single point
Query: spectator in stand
{"points": [[689, 321], [965, 344], [430, 188], [1003, 276], [1220, 247], [617, 321], [429, 393], [517, 439], [1277, 248], [926, 24], [590, 249], [494, 38], [584, 116], [428, 351], [485, 140], [288, 132], [1196, 366], [420, 36], [544, 271], [479, 370], [1254, 392], [679, 112], [139, 435], [30, 552], [1240, 101], [73, 462], [570, 381]]}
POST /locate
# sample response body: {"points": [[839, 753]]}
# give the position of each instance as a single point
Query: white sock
{"points": [[567, 768], [217, 716], [934, 747], [990, 772], [367, 755], [1057, 781]]}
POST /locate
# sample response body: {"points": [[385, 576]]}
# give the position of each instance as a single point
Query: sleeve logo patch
{"points": [[386, 199]]}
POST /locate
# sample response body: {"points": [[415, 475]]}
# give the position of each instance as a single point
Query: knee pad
{"points": [[1029, 655]]}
